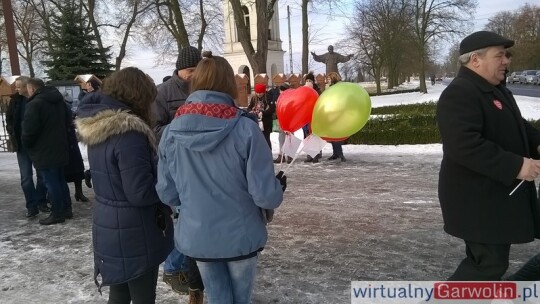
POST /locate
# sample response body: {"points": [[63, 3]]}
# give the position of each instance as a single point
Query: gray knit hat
{"points": [[189, 57]]}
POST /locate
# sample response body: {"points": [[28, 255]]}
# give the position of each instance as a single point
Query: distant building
{"points": [[233, 51]]}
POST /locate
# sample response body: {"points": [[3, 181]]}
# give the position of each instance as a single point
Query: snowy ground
{"points": [[375, 217]]}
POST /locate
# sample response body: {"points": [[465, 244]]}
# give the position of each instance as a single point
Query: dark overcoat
{"points": [[14, 117], [74, 171], [44, 129], [484, 141], [132, 230]]}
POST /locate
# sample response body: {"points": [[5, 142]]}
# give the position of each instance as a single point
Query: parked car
{"points": [[536, 79], [527, 76], [514, 77]]}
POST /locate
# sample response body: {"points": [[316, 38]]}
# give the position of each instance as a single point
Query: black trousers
{"points": [[484, 262], [141, 290], [528, 272]]}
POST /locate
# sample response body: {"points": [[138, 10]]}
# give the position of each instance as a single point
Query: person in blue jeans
{"points": [[47, 144], [35, 194], [215, 167], [171, 94]]}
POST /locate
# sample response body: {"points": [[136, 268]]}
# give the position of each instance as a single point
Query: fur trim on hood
{"points": [[105, 124]]}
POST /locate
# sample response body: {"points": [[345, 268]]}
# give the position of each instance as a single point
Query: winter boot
{"points": [[88, 178], [52, 219], [178, 281], [278, 159], [196, 296]]}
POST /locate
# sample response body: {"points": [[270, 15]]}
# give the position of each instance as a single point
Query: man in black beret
{"points": [[489, 151]]}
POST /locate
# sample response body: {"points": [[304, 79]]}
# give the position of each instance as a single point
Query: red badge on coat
{"points": [[498, 104]]}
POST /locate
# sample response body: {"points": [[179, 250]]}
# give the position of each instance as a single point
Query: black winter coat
{"points": [[268, 109], [14, 120], [74, 171], [484, 141], [170, 96], [44, 129], [132, 230]]}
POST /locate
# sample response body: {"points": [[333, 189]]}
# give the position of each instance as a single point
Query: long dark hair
{"points": [[133, 88]]}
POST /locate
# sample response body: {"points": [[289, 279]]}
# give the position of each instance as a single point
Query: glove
{"points": [[268, 215], [282, 180]]}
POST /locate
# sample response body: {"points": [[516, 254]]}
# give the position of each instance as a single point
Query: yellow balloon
{"points": [[341, 110]]}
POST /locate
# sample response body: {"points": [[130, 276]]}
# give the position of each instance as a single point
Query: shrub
{"points": [[403, 124]]}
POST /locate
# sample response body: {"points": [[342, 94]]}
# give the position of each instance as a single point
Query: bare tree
{"points": [[438, 19], [305, 31], [380, 33], [362, 38], [3, 41], [30, 35], [172, 25], [125, 25], [522, 26], [501, 23]]}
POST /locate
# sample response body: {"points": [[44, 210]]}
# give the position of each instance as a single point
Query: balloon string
{"points": [[292, 162], [281, 161]]}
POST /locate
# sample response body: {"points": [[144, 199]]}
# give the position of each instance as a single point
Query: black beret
{"points": [[483, 39]]}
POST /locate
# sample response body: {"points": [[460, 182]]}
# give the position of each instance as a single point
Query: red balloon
{"points": [[295, 107], [334, 139]]}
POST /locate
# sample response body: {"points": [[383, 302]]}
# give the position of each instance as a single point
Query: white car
{"points": [[536, 79], [514, 77], [527, 76]]}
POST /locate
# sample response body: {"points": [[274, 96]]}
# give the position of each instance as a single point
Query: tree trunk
{"points": [[204, 25], [93, 23], [122, 52], [422, 71], [305, 38], [181, 33]]}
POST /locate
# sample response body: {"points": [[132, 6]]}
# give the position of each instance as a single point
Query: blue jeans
{"points": [[34, 195], [229, 282], [175, 262], [58, 190]]}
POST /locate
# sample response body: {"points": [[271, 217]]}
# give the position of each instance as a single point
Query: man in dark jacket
{"points": [[44, 135], [173, 92], [35, 195], [179, 272], [488, 150]]}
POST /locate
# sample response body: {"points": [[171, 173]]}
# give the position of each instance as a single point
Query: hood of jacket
{"points": [[204, 121], [102, 117]]}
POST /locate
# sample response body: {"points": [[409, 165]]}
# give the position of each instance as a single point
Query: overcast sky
{"points": [[329, 21]]}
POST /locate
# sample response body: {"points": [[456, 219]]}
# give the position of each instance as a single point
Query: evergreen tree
{"points": [[73, 48]]}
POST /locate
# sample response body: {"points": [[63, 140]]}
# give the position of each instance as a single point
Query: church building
{"points": [[233, 51]]}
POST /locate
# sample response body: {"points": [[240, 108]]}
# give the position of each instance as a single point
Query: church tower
{"points": [[233, 51]]}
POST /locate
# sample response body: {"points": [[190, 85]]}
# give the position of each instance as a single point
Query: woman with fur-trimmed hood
{"points": [[132, 230]]}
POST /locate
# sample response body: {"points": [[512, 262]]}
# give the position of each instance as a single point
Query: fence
{"points": [[242, 83]]}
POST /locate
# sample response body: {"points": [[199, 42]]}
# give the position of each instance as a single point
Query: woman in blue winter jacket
{"points": [[132, 230], [215, 166]]}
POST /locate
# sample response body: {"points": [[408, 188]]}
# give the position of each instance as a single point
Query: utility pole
{"points": [[11, 41], [290, 43]]}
